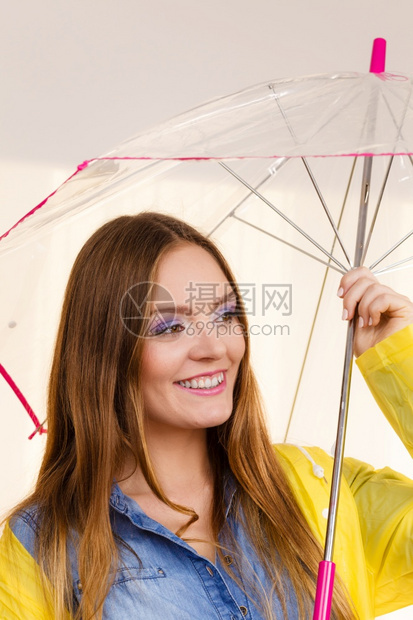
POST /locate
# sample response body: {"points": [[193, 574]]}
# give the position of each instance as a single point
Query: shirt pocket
{"points": [[123, 575], [128, 574]]}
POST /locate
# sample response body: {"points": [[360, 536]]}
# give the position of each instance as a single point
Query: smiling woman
{"points": [[160, 495], [179, 367]]}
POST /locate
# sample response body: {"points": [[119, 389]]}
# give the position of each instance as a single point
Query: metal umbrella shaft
{"points": [[325, 581]]}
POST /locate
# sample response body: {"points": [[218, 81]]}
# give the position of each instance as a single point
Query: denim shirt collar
{"points": [[125, 505]]}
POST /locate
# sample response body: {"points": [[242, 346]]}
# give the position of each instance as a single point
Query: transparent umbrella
{"points": [[298, 180]]}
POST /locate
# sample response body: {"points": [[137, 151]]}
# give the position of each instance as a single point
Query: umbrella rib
{"points": [[224, 219], [326, 209], [307, 349], [326, 122], [376, 211], [315, 184], [281, 214], [399, 135], [395, 266], [399, 127], [291, 245], [241, 202], [394, 247], [390, 111]]}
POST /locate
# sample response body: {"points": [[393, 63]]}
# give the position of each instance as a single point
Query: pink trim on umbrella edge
{"points": [[148, 158], [22, 399], [41, 204]]}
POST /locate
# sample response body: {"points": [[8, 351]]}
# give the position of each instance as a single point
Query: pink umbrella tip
{"points": [[378, 56]]}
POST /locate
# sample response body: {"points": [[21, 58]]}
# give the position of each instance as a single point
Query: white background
{"points": [[79, 77]]}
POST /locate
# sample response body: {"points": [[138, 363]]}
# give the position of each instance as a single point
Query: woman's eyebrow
{"points": [[168, 308]]}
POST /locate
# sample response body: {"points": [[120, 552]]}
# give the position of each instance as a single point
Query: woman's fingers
{"points": [[354, 286], [360, 290], [380, 310], [380, 301]]}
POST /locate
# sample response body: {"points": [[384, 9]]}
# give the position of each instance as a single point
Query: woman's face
{"points": [[193, 347]]}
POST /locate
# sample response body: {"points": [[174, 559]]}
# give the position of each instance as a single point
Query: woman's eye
{"points": [[226, 316], [165, 328], [174, 329]]}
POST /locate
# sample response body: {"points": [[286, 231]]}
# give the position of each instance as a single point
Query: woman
{"points": [[160, 494]]}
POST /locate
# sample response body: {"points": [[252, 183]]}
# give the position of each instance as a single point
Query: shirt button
{"points": [[79, 586], [210, 571], [228, 560], [243, 610]]}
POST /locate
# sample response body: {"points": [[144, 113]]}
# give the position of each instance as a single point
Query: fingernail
{"points": [[340, 292], [345, 314], [361, 321], [370, 322]]}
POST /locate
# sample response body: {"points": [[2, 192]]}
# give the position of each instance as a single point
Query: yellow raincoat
{"points": [[374, 539]]}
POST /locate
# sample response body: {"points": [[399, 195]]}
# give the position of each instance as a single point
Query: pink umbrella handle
{"points": [[378, 56], [324, 593]]}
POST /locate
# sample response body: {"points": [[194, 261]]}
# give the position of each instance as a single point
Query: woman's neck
{"points": [[180, 462]]}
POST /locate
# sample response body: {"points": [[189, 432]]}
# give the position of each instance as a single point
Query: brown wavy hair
{"points": [[95, 419]]}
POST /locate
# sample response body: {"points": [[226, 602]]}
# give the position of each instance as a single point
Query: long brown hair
{"points": [[95, 418]]}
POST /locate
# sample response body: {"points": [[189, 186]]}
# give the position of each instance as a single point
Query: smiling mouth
{"points": [[204, 383]]}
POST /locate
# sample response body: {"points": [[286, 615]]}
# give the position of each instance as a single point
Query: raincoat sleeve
{"points": [[388, 370], [384, 498], [21, 590]]}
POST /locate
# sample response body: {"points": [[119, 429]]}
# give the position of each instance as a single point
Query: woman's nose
{"points": [[207, 341]]}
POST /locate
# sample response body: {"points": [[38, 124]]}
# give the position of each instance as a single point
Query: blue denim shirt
{"points": [[172, 581]]}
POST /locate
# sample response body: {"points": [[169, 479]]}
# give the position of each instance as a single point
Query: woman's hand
{"points": [[380, 311]]}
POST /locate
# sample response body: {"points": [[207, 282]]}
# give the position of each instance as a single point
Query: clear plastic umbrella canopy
{"points": [[274, 175]]}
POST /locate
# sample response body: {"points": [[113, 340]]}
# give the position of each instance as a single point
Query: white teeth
{"points": [[204, 383]]}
